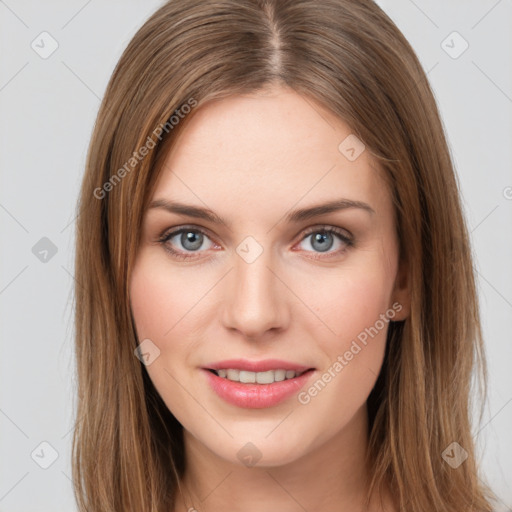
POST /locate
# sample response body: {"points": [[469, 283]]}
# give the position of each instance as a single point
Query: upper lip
{"points": [[257, 366]]}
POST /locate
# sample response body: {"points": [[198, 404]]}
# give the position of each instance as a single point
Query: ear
{"points": [[401, 296]]}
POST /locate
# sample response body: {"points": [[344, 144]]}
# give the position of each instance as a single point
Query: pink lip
{"points": [[256, 396], [257, 366]]}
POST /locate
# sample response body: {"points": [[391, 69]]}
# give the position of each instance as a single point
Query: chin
{"points": [[260, 451]]}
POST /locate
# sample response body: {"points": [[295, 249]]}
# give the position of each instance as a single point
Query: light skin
{"points": [[252, 160]]}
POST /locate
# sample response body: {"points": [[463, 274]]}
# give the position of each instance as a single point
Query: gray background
{"points": [[47, 109]]}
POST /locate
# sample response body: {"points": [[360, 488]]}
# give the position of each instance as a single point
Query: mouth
{"points": [[256, 384]]}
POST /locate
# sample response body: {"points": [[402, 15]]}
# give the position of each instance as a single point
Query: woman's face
{"points": [[270, 282]]}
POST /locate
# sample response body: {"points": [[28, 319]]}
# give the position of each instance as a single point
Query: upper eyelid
{"points": [[174, 231], [326, 227]]}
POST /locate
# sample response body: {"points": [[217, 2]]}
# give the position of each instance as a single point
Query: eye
{"points": [[191, 240], [323, 238]]}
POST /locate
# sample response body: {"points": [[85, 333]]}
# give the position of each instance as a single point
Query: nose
{"points": [[255, 301]]}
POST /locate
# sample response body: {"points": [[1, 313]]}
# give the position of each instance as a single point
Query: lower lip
{"points": [[256, 396]]}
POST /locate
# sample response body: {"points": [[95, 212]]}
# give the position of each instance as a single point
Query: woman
{"points": [[277, 305]]}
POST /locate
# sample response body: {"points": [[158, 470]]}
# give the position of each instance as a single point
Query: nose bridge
{"points": [[256, 301]]}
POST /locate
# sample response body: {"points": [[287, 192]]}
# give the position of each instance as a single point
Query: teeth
{"points": [[247, 377], [267, 377], [279, 375], [233, 375]]}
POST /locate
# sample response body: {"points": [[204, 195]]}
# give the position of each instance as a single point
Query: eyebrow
{"points": [[293, 217]]}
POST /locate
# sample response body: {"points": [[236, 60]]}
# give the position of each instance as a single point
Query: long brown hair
{"points": [[351, 58]]}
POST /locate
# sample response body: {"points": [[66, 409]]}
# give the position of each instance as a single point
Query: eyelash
{"points": [[168, 235]]}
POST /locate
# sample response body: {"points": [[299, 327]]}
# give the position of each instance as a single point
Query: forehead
{"points": [[269, 150]]}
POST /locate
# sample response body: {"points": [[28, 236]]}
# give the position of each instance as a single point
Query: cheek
{"points": [[349, 301], [168, 308], [354, 305], [162, 306], [160, 298]]}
